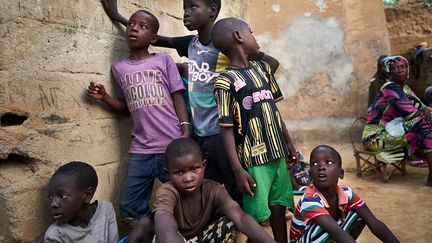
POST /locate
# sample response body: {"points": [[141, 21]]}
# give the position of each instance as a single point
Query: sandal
{"points": [[417, 163]]}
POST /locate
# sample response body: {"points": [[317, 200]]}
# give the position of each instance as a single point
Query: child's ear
{"points": [[213, 10], [237, 36], [154, 38], [204, 163], [88, 194], [341, 173]]}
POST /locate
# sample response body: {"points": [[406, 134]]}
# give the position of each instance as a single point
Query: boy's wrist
{"points": [[105, 97], [237, 169], [185, 130]]}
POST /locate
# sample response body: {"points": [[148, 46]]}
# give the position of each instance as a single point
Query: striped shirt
{"points": [[313, 204], [246, 99]]}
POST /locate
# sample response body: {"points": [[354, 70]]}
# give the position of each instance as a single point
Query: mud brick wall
{"points": [[409, 23], [327, 50], [49, 52]]}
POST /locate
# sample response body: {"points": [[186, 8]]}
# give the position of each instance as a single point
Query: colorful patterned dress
{"points": [[396, 102]]}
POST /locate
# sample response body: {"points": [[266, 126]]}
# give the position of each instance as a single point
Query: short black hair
{"points": [[82, 174], [332, 150], [154, 20], [181, 147], [222, 33], [217, 3]]}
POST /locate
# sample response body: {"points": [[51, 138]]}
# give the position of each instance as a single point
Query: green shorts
{"points": [[273, 187]]}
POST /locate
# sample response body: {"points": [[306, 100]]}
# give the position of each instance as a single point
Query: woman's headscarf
{"points": [[391, 60]]}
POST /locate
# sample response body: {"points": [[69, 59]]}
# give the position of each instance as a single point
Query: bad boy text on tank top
{"points": [[201, 72], [143, 88]]}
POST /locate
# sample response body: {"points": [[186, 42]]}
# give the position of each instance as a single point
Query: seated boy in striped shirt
{"points": [[328, 212]]}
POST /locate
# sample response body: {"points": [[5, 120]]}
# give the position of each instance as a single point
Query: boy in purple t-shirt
{"points": [[149, 88]]}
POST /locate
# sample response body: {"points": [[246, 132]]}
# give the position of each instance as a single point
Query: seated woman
{"points": [[398, 122]]}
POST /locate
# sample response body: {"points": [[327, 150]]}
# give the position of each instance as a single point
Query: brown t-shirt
{"points": [[215, 203]]}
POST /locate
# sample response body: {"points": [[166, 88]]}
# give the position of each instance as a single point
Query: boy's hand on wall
{"points": [[110, 7], [96, 91]]}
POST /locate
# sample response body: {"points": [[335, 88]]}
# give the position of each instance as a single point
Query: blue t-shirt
{"points": [[205, 65]]}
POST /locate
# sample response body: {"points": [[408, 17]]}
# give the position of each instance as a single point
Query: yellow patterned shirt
{"points": [[246, 99]]}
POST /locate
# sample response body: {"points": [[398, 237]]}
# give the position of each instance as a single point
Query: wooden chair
{"points": [[367, 160]]}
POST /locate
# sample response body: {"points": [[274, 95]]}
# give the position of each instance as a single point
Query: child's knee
{"points": [[146, 224]]}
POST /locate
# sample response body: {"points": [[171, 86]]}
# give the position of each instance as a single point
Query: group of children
{"points": [[238, 139]]}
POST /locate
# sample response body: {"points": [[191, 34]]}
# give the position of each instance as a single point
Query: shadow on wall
{"points": [[122, 125]]}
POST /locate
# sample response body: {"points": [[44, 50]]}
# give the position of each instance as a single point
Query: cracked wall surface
{"points": [[409, 23], [327, 50], [49, 52]]}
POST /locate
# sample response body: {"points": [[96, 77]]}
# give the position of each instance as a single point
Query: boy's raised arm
{"points": [[333, 229], [378, 228], [166, 228], [110, 7], [243, 180], [248, 226], [180, 43], [164, 41], [273, 62]]}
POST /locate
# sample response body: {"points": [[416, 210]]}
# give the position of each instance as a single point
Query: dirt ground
{"points": [[403, 203]]}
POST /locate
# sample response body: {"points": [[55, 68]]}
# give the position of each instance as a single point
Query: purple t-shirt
{"points": [[146, 87]]}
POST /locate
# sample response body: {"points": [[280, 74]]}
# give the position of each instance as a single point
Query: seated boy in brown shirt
{"points": [[191, 208]]}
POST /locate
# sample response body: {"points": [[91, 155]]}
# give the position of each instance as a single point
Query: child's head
{"points": [[232, 33], [70, 189], [200, 13], [142, 29], [325, 167], [185, 166]]}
